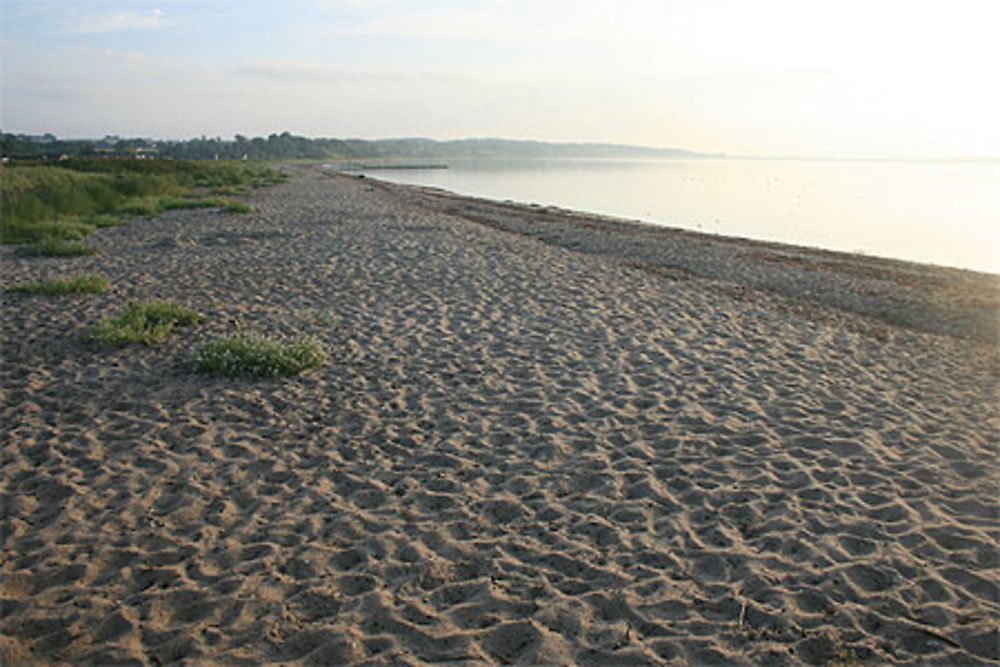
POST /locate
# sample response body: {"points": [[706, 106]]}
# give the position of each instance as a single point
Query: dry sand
{"points": [[585, 442]]}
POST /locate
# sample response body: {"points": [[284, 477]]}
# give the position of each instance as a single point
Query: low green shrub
{"points": [[146, 322], [49, 247], [254, 356], [89, 283]]}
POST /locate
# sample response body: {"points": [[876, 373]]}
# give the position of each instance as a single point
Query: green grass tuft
{"points": [[173, 203], [34, 196], [89, 283], [49, 247], [102, 221], [145, 207], [233, 206], [70, 229], [230, 190], [324, 318], [254, 356], [145, 322]]}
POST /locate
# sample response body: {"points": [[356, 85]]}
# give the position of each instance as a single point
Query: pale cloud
{"points": [[352, 4], [118, 21], [62, 93], [464, 24], [764, 77], [304, 72], [496, 21]]}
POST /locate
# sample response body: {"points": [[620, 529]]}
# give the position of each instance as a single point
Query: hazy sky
{"points": [[913, 78]]}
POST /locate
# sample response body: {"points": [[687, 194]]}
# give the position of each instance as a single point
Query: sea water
{"points": [[945, 213]]}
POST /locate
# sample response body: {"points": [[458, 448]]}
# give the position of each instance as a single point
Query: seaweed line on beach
{"points": [[954, 302]]}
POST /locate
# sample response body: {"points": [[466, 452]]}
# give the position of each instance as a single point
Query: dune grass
{"points": [[230, 190], [234, 206], [150, 207], [41, 201], [101, 220], [146, 322], [174, 203], [255, 356], [140, 207], [66, 230], [88, 283], [55, 247]]}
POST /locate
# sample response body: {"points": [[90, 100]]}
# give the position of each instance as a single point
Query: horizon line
{"points": [[580, 143]]}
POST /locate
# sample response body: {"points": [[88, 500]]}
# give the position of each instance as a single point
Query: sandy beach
{"points": [[540, 437]]}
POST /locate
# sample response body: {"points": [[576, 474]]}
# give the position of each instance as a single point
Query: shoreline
{"points": [[652, 227], [517, 452], [808, 223], [953, 301]]}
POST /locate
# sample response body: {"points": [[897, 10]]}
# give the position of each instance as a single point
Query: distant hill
{"points": [[510, 148], [286, 146]]}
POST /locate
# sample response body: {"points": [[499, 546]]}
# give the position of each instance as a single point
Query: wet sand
{"points": [[540, 437]]}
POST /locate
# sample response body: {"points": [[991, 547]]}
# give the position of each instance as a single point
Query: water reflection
{"points": [[942, 213]]}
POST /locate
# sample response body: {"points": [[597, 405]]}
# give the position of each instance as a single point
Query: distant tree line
{"points": [[282, 146], [287, 146]]}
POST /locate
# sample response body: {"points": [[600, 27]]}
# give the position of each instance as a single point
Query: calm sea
{"points": [[944, 213]]}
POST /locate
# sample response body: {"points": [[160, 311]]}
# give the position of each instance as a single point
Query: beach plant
{"points": [[55, 247], [88, 283], [174, 203], [66, 230], [234, 206], [102, 220], [323, 318], [255, 356], [146, 322], [39, 193], [144, 207], [40, 201], [230, 190]]}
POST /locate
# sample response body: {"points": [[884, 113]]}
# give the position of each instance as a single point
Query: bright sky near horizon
{"points": [[865, 78]]}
